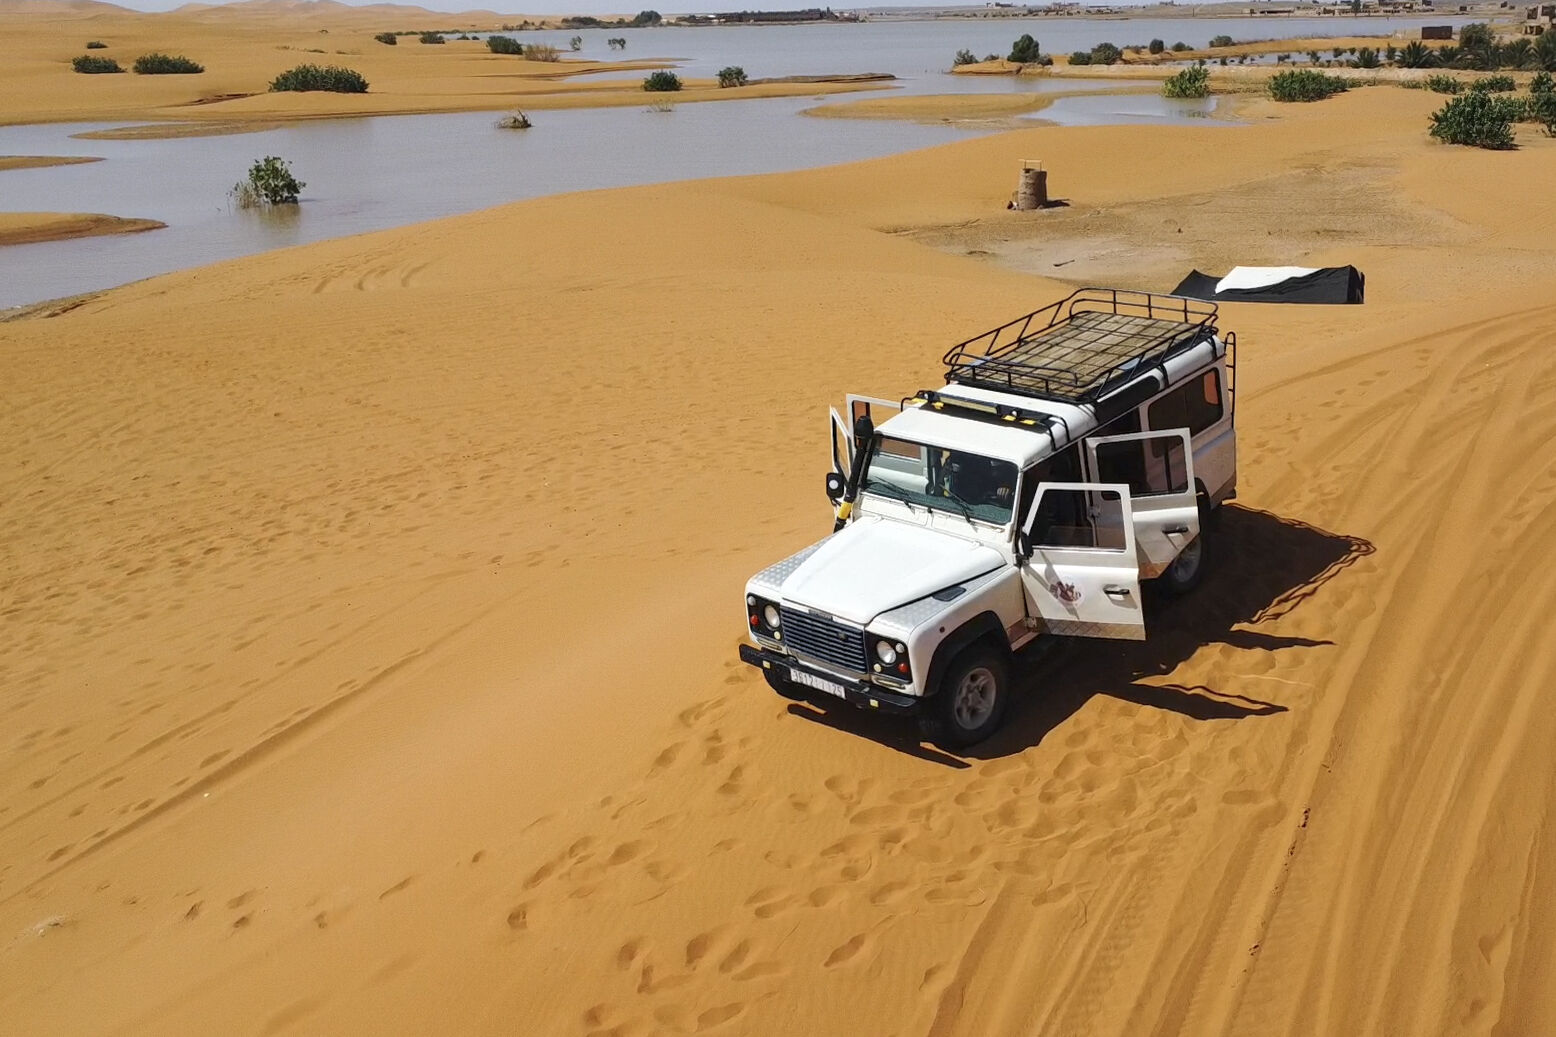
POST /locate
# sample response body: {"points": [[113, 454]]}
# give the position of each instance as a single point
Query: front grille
{"points": [[824, 639]]}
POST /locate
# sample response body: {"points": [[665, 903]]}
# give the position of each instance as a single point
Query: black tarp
{"points": [[1332, 285]]}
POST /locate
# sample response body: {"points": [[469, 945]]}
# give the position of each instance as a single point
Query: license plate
{"points": [[810, 680]]}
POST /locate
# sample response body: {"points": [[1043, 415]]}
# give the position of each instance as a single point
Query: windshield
{"points": [[954, 481]]}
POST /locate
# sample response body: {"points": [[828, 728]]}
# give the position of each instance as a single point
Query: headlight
{"points": [[770, 614], [886, 652]]}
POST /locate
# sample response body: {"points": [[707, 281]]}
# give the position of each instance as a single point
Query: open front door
{"points": [[1081, 578], [1158, 468], [842, 444], [878, 410]]}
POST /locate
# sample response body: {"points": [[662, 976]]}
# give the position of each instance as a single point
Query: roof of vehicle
{"points": [[1018, 445]]}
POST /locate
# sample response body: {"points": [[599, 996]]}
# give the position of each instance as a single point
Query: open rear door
{"points": [[1081, 578], [1158, 468]]}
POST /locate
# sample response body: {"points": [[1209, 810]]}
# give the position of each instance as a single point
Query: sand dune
{"points": [[21, 228], [368, 656], [42, 161]]}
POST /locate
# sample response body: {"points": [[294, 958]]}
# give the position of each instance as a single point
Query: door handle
{"points": [[1176, 529], [1113, 590]]}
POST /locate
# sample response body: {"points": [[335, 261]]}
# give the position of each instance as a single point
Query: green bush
{"points": [[617, 43], [1540, 107], [1367, 58], [166, 65], [96, 45], [1545, 51], [270, 181], [88, 65], [1477, 36], [431, 37], [1305, 84], [1180, 47], [1191, 82], [733, 75], [1443, 84], [1105, 54], [964, 57], [1221, 41], [1503, 84], [1081, 57], [1476, 119], [1025, 50], [504, 45], [1156, 47], [576, 43], [388, 38], [333, 78], [1541, 83], [662, 81]]}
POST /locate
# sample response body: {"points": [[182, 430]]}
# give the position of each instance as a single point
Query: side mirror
{"points": [[1023, 545], [835, 487]]}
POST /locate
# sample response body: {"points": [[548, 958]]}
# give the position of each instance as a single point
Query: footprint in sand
{"points": [[847, 952], [765, 903]]}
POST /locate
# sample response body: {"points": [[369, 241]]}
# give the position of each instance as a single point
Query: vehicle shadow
{"points": [[1263, 567]]}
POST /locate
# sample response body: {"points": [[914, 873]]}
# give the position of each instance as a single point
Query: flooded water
{"points": [[370, 174]]}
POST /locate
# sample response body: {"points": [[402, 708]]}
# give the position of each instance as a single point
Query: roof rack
{"points": [[1080, 348]]}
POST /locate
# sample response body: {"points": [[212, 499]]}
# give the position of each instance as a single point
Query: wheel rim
{"points": [[1187, 562], [973, 703]]}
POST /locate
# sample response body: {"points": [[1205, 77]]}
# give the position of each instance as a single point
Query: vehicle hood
{"points": [[874, 565]]}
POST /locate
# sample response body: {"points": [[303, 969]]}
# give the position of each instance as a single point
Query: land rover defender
{"points": [[1072, 453]]}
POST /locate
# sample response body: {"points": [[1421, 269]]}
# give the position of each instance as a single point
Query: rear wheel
{"points": [[781, 684], [970, 705], [1188, 569]]}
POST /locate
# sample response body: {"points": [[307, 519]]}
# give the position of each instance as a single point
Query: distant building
{"points": [[1539, 20], [1437, 32]]}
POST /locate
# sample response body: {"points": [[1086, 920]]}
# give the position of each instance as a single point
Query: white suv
{"points": [[1072, 453]]}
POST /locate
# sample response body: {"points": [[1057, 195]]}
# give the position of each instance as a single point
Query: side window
{"points": [[1195, 406], [1065, 466], [1079, 518], [1149, 466]]}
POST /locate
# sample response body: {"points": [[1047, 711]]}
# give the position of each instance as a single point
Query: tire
{"points": [[782, 685], [970, 704], [1188, 569]]}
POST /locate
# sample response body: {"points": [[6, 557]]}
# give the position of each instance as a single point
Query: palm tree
{"points": [[1416, 54], [1545, 50], [1517, 54]]}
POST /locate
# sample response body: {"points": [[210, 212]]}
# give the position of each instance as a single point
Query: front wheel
{"points": [[970, 705]]}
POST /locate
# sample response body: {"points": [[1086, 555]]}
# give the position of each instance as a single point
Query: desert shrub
{"points": [[1475, 119], [1156, 46], [733, 75], [269, 182], [333, 78], [662, 81], [1443, 84], [1221, 41], [1025, 50], [1495, 84], [1180, 47], [504, 45], [1391, 54], [516, 121], [1314, 57], [1367, 58], [617, 43], [1541, 83], [541, 52], [1105, 54], [431, 37], [1477, 36], [88, 65], [1417, 55], [643, 18], [166, 65], [964, 57], [96, 45], [1446, 56], [1304, 84], [576, 43], [1081, 57], [388, 39], [1540, 107], [1545, 51], [1191, 82]]}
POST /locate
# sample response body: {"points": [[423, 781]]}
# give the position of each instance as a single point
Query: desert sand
{"points": [[243, 46], [21, 228], [42, 161], [370, 614]]}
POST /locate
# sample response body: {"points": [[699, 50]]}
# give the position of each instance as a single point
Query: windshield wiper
{"points": [[869, 487], [954, 498]]}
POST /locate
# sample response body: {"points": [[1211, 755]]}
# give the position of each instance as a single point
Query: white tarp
{"points": [[1246, 277]]}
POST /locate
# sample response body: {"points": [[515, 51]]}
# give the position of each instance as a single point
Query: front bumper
{"points": [[855, 693]]}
